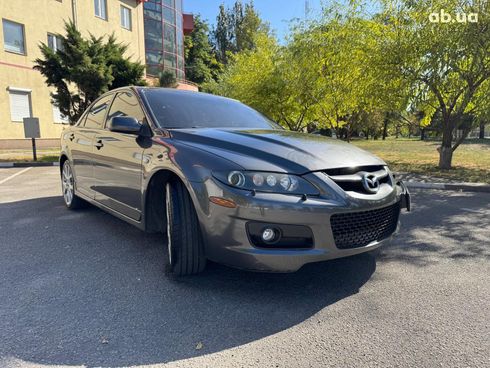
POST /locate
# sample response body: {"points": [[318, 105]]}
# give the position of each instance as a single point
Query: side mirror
{"points": [[124, 124]]}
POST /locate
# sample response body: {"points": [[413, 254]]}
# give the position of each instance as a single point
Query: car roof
{"points": [[179, 92]]}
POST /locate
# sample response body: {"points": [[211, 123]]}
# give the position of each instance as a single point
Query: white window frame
{"points": [[19, 91], [5, 46], [126, 21], [100, 8]]}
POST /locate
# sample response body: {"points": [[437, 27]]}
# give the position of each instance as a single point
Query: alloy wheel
{"points": [[67, 182]]}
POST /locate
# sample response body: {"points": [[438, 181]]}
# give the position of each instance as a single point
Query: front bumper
{"points": [[225, 229]]}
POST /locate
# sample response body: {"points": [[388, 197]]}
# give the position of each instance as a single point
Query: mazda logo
{"points": [[370, 182]]}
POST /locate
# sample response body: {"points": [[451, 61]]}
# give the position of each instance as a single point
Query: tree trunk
{"points": [[445, 157], [348, 133], [385, 128], [446, 149], [482, 130], [422, 134]]}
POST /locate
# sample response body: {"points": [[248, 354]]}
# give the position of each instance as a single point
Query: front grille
{"points": [[350, 178], [358, 229]]}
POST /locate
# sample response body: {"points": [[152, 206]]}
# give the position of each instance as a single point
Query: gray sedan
{"points": [[225, 183]]}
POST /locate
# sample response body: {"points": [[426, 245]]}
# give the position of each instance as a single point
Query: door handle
{"points": [[99, 144], [72, 137]]}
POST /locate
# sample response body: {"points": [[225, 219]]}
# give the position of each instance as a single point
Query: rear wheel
{"points": [[68, 187], [185, 243]]}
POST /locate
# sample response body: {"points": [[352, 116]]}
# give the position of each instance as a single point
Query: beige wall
{"points": [[39, 18]]}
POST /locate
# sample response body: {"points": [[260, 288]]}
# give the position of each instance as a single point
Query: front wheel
{"points": [[68, 187], [185, 243]]}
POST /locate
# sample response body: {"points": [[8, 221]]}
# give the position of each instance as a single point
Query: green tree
{"points": [[167, 79], [446, 64], [268, 79], [237, 29], [84, 69], [222, 35], [249, 25], [201, 66]]}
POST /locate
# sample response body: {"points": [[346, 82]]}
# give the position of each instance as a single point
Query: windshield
{"points": [[180, 110]]}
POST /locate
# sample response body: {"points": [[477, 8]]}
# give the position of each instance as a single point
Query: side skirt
{"points": [[139, 224]]}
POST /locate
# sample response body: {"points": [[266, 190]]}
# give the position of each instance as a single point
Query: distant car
{"points": [[225, 183]]}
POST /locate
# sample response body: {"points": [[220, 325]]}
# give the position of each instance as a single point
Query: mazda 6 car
{"points": [[222, 182]]}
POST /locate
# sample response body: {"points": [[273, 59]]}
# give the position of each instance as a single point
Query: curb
{"points": [[28, 164], [462, 187]]}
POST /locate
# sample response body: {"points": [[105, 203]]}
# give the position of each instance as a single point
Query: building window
{"points": [[58, 118], [169, 38], [152, 11], [169, 15], [125, 17], [153, 35], [54, 42], [13, 37], [100, 8], [164, 38], [20, 104]]}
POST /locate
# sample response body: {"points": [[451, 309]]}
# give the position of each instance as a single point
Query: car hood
{"points": [[276, 150]]}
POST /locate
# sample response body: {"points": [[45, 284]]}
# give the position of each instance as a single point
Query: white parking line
{"points": [[14, 175]]}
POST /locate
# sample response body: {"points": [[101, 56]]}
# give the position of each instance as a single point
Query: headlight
{"points": [[267, 182]]}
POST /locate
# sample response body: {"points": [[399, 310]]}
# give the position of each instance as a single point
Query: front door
{"points": [[118, 161], [81, 143]]}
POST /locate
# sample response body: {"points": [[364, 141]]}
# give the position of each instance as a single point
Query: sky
{"points": [[277, 12]]}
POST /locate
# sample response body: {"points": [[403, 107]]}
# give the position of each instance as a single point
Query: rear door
{"points": [[118, 161], [82, 141]]}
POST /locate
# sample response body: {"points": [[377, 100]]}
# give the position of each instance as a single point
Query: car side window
{"points": [[97, 113], [81, 122], [126, 104]]}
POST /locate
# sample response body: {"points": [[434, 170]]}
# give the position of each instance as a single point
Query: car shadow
{"points": [[84, 288]]}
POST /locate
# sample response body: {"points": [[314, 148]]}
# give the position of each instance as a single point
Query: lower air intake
{"points": [[358, 229]]}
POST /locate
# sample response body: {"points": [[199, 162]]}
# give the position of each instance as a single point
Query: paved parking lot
{"points": [[86, 289]]}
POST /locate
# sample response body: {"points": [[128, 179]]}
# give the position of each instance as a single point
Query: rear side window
{"points": [[126, 104], [97, 113]]}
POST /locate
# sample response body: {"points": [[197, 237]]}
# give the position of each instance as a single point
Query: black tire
{"points": [[72, 201], [184, 237]]}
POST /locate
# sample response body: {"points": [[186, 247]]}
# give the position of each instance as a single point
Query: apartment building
{"points": [[27, 23]]}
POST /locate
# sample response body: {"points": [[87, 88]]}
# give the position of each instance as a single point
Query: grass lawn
{"points": [[25, 155], [471, 160]]}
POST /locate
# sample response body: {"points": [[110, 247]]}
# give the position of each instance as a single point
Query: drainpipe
{"points": [[74, 12]]}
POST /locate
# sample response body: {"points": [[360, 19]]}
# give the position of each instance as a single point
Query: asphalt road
{"points": [[86, 289]]}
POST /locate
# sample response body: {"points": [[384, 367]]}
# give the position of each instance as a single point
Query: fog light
{"points": [[269, 234]]}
